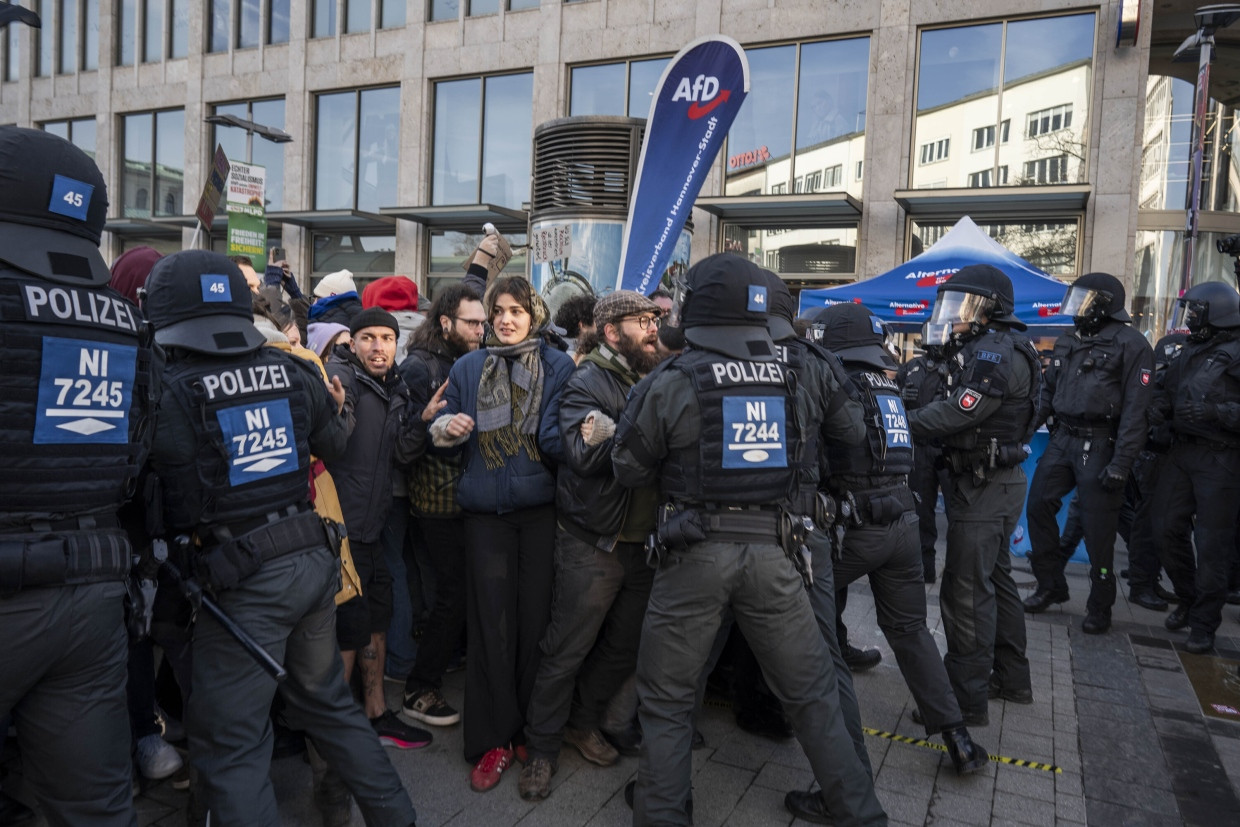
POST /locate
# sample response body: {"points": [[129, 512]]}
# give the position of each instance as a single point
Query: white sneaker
{"points": [[157, 758]]}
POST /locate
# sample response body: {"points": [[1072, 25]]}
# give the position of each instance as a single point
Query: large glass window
{"points": [[449, 248], [356, 15], [367, 255], [126, 31], [239, 145], [153, 163], [483, 130], [68, 25], [357, 149], [477, 8], [804, 116], [81, 133], [178, 42], [218, 25], [249, 25], [90, 35], [391, 14], [1050, 244], [44, 37], [615, 88], [820, 253], [973, 82], [323, 23], [443, 10], [153, 35], [277, 22]]}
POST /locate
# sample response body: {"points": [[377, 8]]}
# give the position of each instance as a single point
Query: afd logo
{"points": [[703, 89]]}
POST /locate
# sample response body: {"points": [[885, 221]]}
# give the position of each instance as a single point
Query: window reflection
{"points": [[218, 40], [816, 251], [81, 133], [90, 38], [974, 82], [483, 128], [262, 152], [357, 131], [249, 26], [829, 82], [391, 13], [367, 255], [68, 36], [277, 26], [152, 181], [625, 88], [449, 248], [1049, 244], [12, 56], [445, 9], [357, 15], [323, 24], [153, 36], [179, 44]]}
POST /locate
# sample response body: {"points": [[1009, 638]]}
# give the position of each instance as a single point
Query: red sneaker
{"points": [[487, 772], [521, 753]]}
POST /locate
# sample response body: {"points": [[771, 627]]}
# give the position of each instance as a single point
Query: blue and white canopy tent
{"points": [[903, 296]]}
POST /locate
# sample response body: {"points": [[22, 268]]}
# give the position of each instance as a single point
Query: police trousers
{"points": [[692, 588], [890, 556], [62, 675], [983, 618], [289, 607], [1199, 492], [1066, 464]]}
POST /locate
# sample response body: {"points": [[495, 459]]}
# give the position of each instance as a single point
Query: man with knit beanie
{"points": [[397, 295], [382, 435], [602, 582]]}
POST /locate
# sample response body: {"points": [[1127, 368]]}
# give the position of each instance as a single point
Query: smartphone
{"points": [[277, 254]]}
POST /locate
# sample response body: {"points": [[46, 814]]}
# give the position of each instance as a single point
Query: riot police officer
{"points": [[1200, 482], [922, 380], [984, 426], [880, 537], [232, 447], [1097, 391], [721, 428], [80, 379]]}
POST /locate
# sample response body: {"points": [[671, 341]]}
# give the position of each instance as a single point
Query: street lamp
{"points": [[1200, 45], [10, 13], [271, 133]]}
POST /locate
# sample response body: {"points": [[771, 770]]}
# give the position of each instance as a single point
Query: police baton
{"points": [[201, 600]]}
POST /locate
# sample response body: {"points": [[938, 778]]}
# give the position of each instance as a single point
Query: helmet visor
{"points": [[680, 292], [1190, 315], [935, 334], [956, 307], [1084, 302]]}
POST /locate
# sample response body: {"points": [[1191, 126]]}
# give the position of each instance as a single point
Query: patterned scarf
{"points": [[607, 358], [510, 393]]}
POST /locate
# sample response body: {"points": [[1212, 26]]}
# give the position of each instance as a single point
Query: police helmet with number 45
{"points": [[200, 301]]}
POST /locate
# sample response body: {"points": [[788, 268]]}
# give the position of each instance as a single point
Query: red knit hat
{"points": [[392, 293]]}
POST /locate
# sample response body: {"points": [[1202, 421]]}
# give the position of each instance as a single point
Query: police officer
{"points": [[80, 382], [880, 537], [922, 380], [721, 427], [1097, 391], [984, 426], [1200, 481], [232, 447]]}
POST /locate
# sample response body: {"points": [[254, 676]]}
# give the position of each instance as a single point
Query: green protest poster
{"points": [[247, 215]]}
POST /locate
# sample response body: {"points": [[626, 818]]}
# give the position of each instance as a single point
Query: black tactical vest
{"points": [[252, 425], [76, 400], [988, 370], [749, 451], [888, 446], [1088, 375], [1208, 374]]}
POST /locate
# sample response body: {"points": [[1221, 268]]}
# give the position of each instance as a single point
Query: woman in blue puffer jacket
{"points": [[500, 408]]}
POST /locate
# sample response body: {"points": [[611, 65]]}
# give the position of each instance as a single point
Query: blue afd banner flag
{"points": [[694, 105]]}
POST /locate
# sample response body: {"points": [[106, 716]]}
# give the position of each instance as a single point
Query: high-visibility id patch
{"points": [[84, 392], [895, 421], [260, 440], [969, 399], [70, 197], [754, 432], [215, 287], [1145, 376]]}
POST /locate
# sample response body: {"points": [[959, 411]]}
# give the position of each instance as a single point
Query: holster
{"points": [[678, 528], [825, 510]]}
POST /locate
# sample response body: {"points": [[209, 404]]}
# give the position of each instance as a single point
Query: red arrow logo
{"points": [[696, 111]]}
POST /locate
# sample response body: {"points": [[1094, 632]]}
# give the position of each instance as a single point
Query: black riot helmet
{"points": [[724, 309], [852, 332], [1207, 308], [1093, 299], [781, 308], [975, 295], [199, 300]]}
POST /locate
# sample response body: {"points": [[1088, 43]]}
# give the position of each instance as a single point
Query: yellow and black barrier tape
{"points": [[998, 759]]}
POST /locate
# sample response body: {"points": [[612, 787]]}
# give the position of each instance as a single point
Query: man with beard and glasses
{"points": [[602, 582], [454, 327]]}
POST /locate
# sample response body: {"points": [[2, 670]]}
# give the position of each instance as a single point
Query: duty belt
{"points": [[1087, 429], [37, 559], [1193, 439], [227, 558], [741, 525]]}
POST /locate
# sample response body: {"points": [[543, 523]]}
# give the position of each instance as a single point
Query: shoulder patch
{"points": [[989, 356], [1145, 376], [968, 399]]}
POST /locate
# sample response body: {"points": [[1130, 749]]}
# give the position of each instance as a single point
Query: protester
{"points": [[602, 582], [576, 318], [500, 409], [336, 299], [383, 437], [323, 337], [397, 295], [454, 328]]}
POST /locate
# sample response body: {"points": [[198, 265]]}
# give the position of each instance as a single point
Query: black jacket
{"points": [[587, 494], [432, 481], [384, 432]]}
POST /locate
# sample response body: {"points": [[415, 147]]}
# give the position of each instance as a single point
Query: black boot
{"points": [[1147, 599], [808, 806], [859, 660], [1178, 618], [967, 757], [1043, 599]]}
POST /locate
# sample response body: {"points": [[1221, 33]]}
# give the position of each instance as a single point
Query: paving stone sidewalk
{"points": [[1115, 713]]}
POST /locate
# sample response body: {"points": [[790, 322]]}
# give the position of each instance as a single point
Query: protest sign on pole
{"points": [[697, 99], [247, 215]]}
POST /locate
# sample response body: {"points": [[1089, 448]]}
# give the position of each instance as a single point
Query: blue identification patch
{"points": [[757, 298], [260, 440], [754, 432], [895, 421], [84, 392], [877, 324], [989, 356], [215, 287], [70, 197]]}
